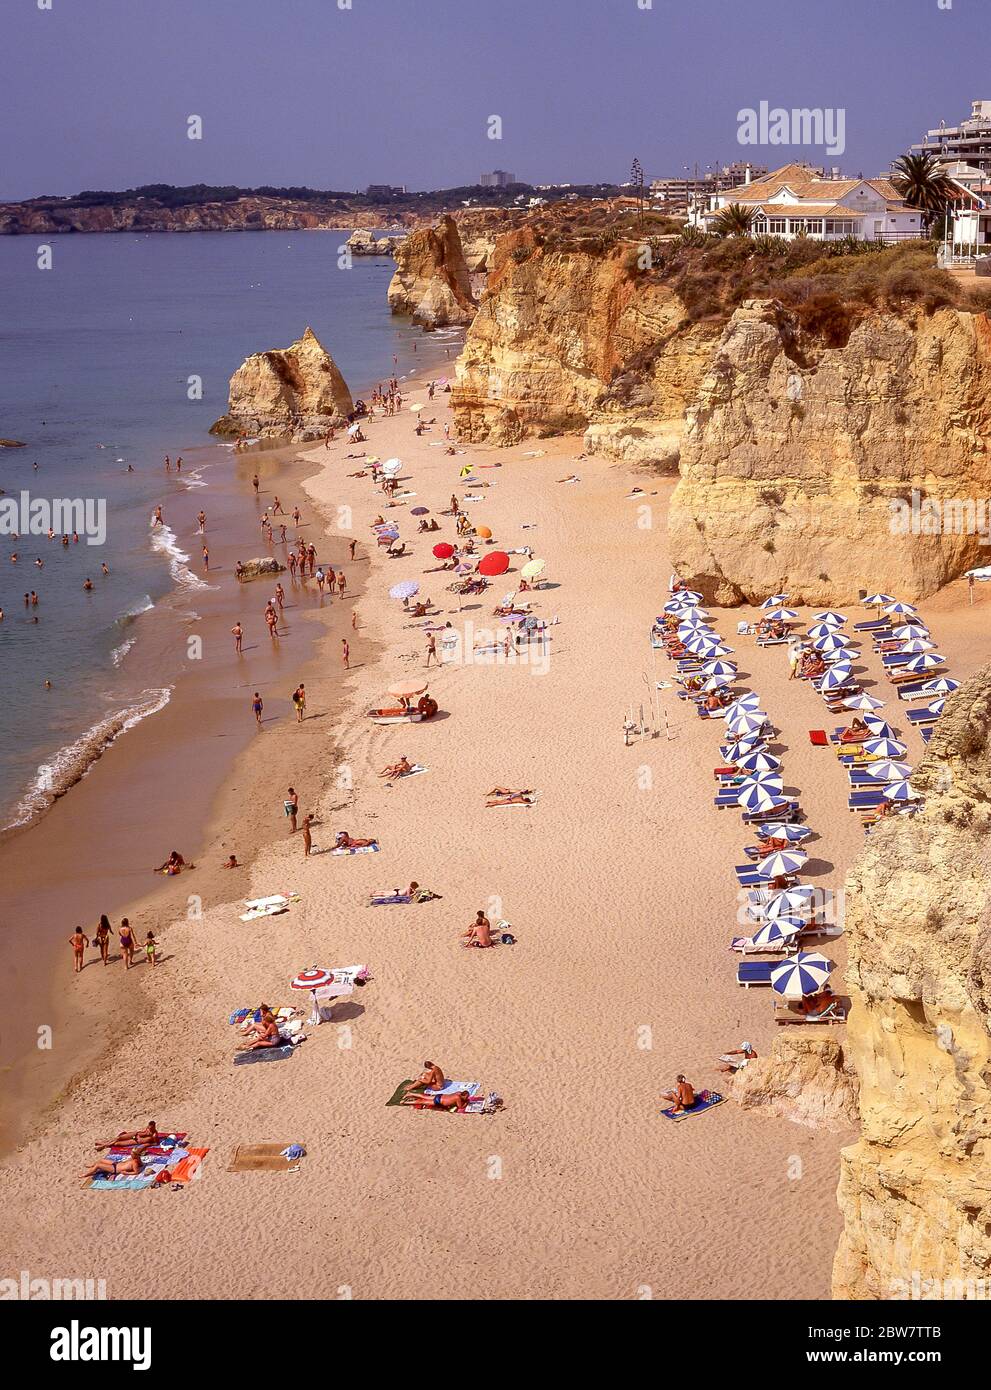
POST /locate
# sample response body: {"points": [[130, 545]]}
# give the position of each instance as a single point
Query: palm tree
{"points": [[733, 220], [920, 180]]}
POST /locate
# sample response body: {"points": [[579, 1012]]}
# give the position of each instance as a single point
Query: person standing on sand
{"points": [[291, 807], [257, 705], [352, 547], [345, 654], [307, 838], [78, 941], [254, 484], [206, 558], [432, 649], [280, 596], [126, 938], [151, 949], [237, 632], [201, 521], [292, 565], [354, 619], [168, 465], [296, 515], [342, 583], [103, 934], [299, 703]]}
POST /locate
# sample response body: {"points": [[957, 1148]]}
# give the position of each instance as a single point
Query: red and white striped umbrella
{"points": [[312, 978]]}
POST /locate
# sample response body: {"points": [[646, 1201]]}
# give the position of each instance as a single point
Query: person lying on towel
{"points": [[856, 733], [682, 1097], [399, 769], [506, 796], [118, 1167], [346, 841], [458, 1101], [148, 1135]]}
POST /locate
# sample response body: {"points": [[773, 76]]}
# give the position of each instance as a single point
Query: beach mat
{"points": [[359, 849], [399, 1092], [699, 1108], [817, 737], [259, 1158], [264, 1054]]}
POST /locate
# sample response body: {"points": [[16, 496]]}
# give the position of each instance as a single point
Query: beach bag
{"points": [[508, 939]]}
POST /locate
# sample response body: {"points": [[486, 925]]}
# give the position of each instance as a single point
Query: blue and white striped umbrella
{"points": [[926, 662], [916, 644], [842, 655], [910, 630], [716, 683], [746, 723], [719, 668], [876, 600], [782, 861], [833, 619], [830, 641], [780, 830], [702, 644], [776, 933], [936, 706], [821, 630], [692, 618], [941, 685], [883, 747], [745, 703], [774, 600], [863, 701], [899, 791], [897, 609], [781, 615], [756, 798], [791, 902], [887, 771], [758, 761], [806, 973], [836, 677], [770, 779]]}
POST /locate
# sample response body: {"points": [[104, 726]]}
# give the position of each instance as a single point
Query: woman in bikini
{"points": [[103, 934], [118, 1167], [78, 941]]}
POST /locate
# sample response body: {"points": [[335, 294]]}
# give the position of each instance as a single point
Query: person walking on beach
{"points": [[151, 949], [354, 619], [277, 506], [320, 580], [78, 941], [254, 484], [126, 938], [237, 632], [178, 464], [272, 618], [157, 520], [296, 515], [292, 565], [257, 705], [352, 547], [291, 806], [280, 596], [168, 465], [201, 521], [103, 934], [432, 649], [206, 558], [342, 583], [299, 703], [345, 654], [307, 838]]}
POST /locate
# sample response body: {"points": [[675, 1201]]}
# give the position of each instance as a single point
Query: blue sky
{"points": [[96, 93]]}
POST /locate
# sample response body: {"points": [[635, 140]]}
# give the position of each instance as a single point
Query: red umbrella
{"points": [[443, 550], [496, 562], [313, 978]]}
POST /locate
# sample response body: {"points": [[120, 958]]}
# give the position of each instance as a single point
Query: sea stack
{"points": [[295, 392], [431, 282]]}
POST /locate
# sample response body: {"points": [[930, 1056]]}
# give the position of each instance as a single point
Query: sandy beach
{"points": [[619, 887]]}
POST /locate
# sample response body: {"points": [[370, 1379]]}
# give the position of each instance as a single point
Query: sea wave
{"points": [[72, 762], [139, 606], [163, 540], [118, 654]]}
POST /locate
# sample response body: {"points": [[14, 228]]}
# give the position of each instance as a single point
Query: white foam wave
{"points": [[163, 540], [118, 654]]}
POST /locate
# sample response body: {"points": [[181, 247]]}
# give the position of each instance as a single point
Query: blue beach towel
{"points": [[703, 1102]]}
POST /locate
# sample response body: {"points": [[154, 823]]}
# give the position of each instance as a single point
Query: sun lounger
{"points": [[784, 811], [923, 715], [753, 973], [873, 625], [783, 1013], [866, 800], [926, 730]]}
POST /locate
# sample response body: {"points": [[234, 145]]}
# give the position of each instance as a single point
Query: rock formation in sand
{"points": [[805, 1078], [256, 569], [431, 281], [296, 393], [915, 1191], [796, 452], [567, 337]]}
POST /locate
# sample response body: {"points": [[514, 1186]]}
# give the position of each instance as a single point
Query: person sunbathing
{"points": [[231, 862], [479, 933], [266, 1034], [682, 1097], [856, 733], [503, 796], [815, 1004], [399, 769], [148, 1135], [174, 864], [744, 1052], [431, 1077], [766, 847], [118, 1167], [259, 1027], [814, 667], [457, 1101], [421, 608], [346, 841]]}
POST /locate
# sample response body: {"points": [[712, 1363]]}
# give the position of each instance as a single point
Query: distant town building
{"points": [[499, 178], [969, 142], [385, 190], [685, 189], [796, 201]]}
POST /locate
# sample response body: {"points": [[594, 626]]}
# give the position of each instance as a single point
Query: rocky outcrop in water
{"points": [[915, 1191], [363, 242], [294, 393], [431, 282], [255, 213], [567, 338], [796, 452]]}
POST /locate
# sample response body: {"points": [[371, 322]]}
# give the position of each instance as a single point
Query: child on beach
{"points": [[78, 941], [307, 838], [151, 949]]}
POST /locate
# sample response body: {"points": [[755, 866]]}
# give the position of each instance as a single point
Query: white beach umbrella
{"points": [[899, 791], [756, 798], [830, 618], [805, 973], [774, 600], [863, 701], [776, 932], [821, 630], [716, 683], [915, 645], [749, 701], [748, 723], [884, 748], [876, 600], [781, 615], [941, 685], [909, 630], [830, 641], [888, 771], [880, 728], [836, 677], [392, 466], [925, 662], [897, 609], [782, 861], [782, 830], [718, 668]]}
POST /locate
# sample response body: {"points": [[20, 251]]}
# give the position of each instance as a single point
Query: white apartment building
{"points": [[968, 142]]}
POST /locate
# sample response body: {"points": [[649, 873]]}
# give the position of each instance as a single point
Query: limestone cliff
{"points": [[805, 1077], [295, 392], [255, 213], [431, 282], [567, 337], [915, 1191], [795, 451]]}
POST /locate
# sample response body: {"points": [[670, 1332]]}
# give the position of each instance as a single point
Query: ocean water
{"points": [[96, 360]]}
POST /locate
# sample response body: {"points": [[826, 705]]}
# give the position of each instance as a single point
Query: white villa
{"points": [[797, 201]]}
